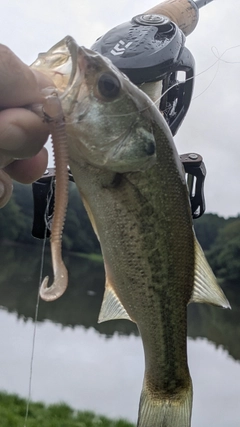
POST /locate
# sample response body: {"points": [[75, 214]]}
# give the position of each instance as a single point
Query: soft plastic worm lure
{"points": [[53, 114], [6, 188]]}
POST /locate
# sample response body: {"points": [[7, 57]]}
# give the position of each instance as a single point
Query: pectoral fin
{"points": [[206, 288], [111, 308], [90, 215]]}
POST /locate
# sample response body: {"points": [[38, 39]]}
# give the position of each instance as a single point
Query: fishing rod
{"points": [[150, 49], [201, 3]]}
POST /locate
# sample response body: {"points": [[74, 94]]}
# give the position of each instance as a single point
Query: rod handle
{"points": [[184, 13]]}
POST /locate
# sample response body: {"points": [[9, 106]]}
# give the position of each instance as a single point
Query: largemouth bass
{"points": [[132, 183]]}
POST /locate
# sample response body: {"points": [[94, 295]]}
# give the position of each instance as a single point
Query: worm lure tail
{"points": [[53, 114]]}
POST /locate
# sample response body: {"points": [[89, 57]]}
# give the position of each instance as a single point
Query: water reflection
{"points": [[80, 305], [74, 365], [84, 369], [78, 365]]}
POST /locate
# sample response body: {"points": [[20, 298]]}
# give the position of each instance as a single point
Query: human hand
{"points": [[22, 132]]}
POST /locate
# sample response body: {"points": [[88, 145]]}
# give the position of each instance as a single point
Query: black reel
{"points": [[150, 48]]}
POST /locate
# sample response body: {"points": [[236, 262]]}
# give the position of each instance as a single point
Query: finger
{"points": [[29, 170], [22, 133], [19, 85]]}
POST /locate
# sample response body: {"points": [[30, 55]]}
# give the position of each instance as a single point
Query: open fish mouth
{"points": [[60, 63]]}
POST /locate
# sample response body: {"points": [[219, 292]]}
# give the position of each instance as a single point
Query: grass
{"points": [[13, 409]]}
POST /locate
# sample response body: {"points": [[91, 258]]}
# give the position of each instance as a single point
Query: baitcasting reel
{"points": [[149, 49]]}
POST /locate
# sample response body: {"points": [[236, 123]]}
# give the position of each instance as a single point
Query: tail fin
{"points": [[174, 411]]}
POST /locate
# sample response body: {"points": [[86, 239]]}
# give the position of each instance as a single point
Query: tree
{"points": [[224, 255], [12, 221], [207, 228]]}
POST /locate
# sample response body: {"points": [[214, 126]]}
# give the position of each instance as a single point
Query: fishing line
{"points": [[213, 78], [50, 194], [219, 58], [227, 50]]}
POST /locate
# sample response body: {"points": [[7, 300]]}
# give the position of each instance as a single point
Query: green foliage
{"points": [[13, 410], [11, 221], [219, 237], [16, 220], [207, 228], [224, 255]]}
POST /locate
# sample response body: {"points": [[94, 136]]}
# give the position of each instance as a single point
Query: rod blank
{"points": [[201, 3]]}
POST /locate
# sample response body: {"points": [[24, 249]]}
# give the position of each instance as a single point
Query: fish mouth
{"points": [[60, 63]]}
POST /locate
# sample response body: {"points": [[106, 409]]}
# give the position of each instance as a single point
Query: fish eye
{"points": [[109, 85]]}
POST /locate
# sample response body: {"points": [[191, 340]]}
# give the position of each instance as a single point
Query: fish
{"points": [[132, 183]]}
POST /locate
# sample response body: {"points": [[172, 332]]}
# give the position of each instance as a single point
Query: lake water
{"points": [[100, 367]]}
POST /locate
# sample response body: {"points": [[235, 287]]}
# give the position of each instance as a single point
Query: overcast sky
{"points": [[212, 126]]}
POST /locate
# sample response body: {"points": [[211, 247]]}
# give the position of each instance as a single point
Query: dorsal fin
{"points": [[206, 288]]}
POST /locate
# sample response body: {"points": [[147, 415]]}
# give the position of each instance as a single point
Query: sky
{"points": [[212, 125]]}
